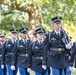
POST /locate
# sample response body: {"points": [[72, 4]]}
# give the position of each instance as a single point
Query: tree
{"points": [[41, 11], [32, 8]]}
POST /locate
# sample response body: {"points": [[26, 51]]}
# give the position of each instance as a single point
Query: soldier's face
{"points": [[0, 39], [23, 36], [3, 39], [57, 26], [39, 36], [14, 36]]}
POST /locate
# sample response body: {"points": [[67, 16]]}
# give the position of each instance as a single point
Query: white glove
{"points": [[12, 67], [44, 67], [28, 70], [68, 46], [2, 66], [72, 68]]}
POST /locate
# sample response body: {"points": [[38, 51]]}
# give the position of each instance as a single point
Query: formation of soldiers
{"points": [[50, 54]]}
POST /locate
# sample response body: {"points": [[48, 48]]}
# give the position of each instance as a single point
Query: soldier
{"points": [[36, 54], [56, 43], [9, 51], [73, 55], [22, 52], [2, 68]]}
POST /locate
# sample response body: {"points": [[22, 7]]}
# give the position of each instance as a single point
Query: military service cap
{"points": [[24, 30], [57, 19], [14, 31]]}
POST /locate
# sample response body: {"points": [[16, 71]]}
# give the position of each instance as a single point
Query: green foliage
{"points": [[64, 8], [50, 8]]}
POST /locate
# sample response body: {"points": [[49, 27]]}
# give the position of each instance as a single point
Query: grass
{"points": [[74, 73]]}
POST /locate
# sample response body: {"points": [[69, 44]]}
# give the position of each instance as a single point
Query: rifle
{"points": [[65, 36]]}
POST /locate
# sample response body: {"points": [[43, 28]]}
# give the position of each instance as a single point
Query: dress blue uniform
{"points": [[73, 55], [36, 55], [2, 70], [10, 47], [22, 53], [55, 48]]}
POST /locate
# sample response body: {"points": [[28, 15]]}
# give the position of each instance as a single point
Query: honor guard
{"points": [[56, 43], [36, 53], [9, 52], [22, 52], [73, 55], [2, 65]]}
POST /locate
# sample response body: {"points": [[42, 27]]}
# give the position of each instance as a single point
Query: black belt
{"points": [[57, 49], [38, 57], [24, 55]]}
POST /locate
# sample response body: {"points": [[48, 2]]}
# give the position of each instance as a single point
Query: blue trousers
{"points": [[49, 71], [1, 71], [56, 71], [11, 72], [67, 71], [39, 73], [4, 71], [23, 71]]}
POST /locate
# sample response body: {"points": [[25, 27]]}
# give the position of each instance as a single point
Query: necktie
{"points": [[58, 34], [40, 42], [14, 41]]}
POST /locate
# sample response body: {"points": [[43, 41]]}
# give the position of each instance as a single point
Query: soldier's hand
{"points": [[28, 70], [72, 68], [12, 67], [44, 67], [68, 46], [2, 66]]}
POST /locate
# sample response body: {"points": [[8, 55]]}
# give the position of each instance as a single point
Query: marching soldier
{"points": [[9, 51], [22, 51], [56, 43], [73, 55], [2, 67], [36, 53]]}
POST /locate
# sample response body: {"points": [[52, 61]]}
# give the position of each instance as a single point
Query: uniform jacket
{"points": [[1, 52], [35, 57], [22, 53], [9, 50], [51, 57]]}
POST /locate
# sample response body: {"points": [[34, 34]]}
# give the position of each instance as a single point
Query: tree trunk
{"points": [[34, 18]]}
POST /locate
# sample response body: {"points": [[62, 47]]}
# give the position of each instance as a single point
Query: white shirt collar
{"points": [[39, 41], [25, 40], [57, 32]]}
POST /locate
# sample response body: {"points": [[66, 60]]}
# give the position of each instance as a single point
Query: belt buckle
{"points": [[41, 58], [26, 54], [59, 49], [10, 53]]}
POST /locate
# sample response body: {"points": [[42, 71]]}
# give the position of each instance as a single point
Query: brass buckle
{"points": [[24, 54], [41, 58], [10, 53]]}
